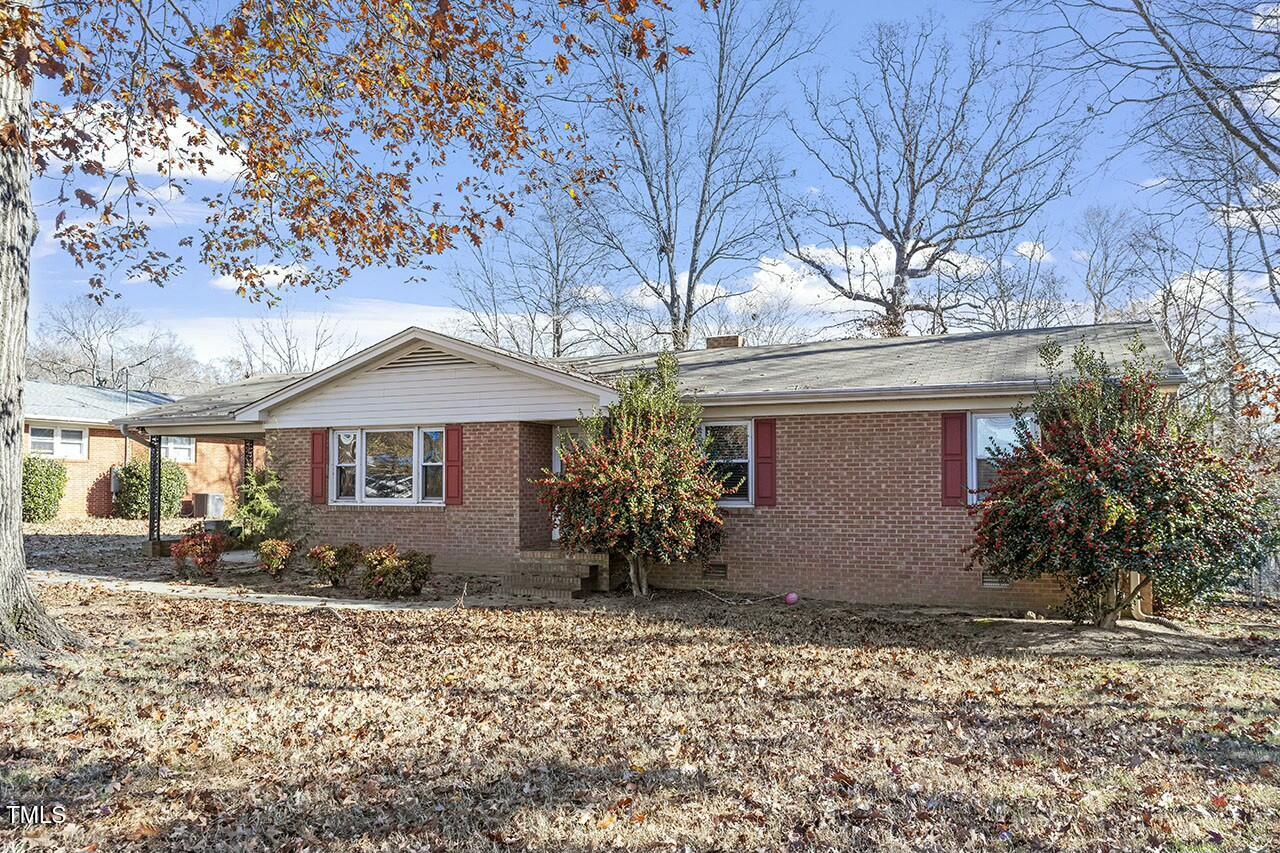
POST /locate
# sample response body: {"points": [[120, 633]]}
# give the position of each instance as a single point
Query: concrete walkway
{"points": [[180, 590]]}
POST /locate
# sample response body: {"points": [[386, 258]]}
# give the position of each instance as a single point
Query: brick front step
{"points": [[556, 575], [554, 556], [551, 594]]}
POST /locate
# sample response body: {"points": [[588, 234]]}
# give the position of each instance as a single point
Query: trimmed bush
{"points": [[204, 550], [134, 477], [44, 482], [273, 555], [390, 574], [335, 565]]}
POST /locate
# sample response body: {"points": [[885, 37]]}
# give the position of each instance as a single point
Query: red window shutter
{"points": [[955, 458], [319, 466], [453, 465], [766, 464]]}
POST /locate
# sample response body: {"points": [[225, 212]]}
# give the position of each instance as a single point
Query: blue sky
{"points": [[379, 302]]}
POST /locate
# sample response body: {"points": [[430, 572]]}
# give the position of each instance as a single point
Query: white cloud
{"points": [[1034, 251], [154, 149], [272, 276]]}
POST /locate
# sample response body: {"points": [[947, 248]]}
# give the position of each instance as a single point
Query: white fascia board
{"points": [[256, 411]]}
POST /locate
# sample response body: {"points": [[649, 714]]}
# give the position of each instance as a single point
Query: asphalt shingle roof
{"points": [[217, 404], [993, 359], [854, 366], [86, 404]]}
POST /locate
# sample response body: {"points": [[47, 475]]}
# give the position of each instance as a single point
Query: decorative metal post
{"points": [[248, 460], [153, 491]]}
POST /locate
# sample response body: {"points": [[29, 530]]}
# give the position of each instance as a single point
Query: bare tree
{"points": [[278, 342], [1010, 283], [928, 153], [83, 342], [1108, 249], [686, 211], [529, 290], [1214, 58]]}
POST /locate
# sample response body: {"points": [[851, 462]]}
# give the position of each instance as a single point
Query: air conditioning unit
{"points": [[208, 505]]}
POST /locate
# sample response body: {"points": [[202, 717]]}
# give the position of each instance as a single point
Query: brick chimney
{"points": [[724, 341]]}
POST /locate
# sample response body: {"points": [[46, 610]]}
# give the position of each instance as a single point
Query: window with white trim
{"points": [[431, 450], [178, 448], [393, 465], [729, 452], [59, 442], [345, 466], [986, 432]]}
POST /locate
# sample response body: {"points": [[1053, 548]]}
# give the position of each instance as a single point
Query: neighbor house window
{"points": [[59, 442], [44, 441], [179, 448], [729, 452], [387, 466]]}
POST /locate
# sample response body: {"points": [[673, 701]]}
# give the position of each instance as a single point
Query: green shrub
{"points": [[390, 574], [640, 485], [131, 502], [260, 513], [1118, 479], [44, 481], [335, 565], [273, 555]]}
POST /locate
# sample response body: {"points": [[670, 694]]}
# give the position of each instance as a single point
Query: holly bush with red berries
{"points": [[1109, 475], [638, 483]]}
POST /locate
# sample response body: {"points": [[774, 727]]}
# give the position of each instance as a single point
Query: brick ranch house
{"points": [[73, 424], [858, 456]]}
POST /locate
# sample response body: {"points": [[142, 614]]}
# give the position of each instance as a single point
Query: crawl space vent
{"points": [[423, 357], [715, 571]]}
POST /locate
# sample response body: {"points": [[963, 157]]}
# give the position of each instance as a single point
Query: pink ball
{"points": [[791, 598]]}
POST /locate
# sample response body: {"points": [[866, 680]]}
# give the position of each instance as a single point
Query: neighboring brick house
{"points": [[73, 424], [858, 457]]}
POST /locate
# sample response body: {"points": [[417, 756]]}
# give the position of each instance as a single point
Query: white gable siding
{"points": [[431, 394]]}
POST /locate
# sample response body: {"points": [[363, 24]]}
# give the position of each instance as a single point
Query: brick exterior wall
{"points": [[859, 518], [499, 513], [218, 468], [859, 515]]}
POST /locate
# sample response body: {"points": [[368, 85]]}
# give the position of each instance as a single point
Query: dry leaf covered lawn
{"points": [[677, 724]]}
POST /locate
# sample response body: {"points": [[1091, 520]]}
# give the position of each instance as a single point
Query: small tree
{"points": [[639, 484], [1113, 477]]}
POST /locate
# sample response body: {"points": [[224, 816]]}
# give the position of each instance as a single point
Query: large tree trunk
{"points": [[23, 621]]}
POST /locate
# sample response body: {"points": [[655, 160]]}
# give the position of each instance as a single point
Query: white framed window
{"points": [[387, 466], [59, 442], [178, 448], [44, 441], [431, 465], [344, 453], [729, 451], [988, 430]]}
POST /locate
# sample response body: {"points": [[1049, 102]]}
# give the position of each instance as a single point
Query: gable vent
{"points": [[424, 356]]}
